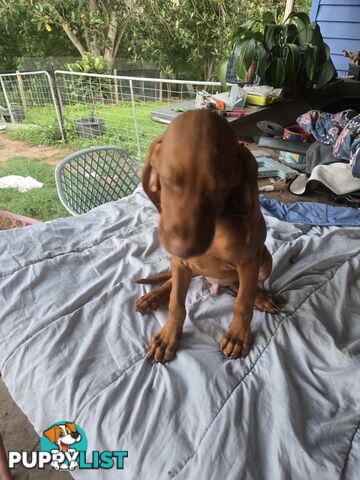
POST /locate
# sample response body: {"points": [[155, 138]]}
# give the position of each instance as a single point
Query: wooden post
{"points": [[142, 87], [21, 89], [289, 8], [161, 87], [116, 88]]}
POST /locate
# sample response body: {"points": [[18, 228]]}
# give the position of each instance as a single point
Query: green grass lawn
{"points": [[40, 128], [119, 124], [42, 203]]}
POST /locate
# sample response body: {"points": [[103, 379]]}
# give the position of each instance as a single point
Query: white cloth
{"points": [[337, 177], [23, 184]]}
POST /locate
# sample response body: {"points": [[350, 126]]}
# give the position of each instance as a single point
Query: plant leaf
{"points": [[262, 62], [302, 16], [316, 37], [290, 33], [221, 71], [275, 73], [268, 17], [302, 22], [244, 55], [292, 63], [327, 51], [310, 63], [271, 34], [327, 73]]}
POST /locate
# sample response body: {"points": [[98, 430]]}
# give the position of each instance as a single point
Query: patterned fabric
{"points": [[342, 130]]}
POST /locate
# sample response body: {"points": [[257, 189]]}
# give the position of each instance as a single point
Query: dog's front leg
{"points": [[163, 345], [236, 341]]}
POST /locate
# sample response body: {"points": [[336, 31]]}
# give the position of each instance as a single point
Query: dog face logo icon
{"points": [[64, 440], [63, 435]]}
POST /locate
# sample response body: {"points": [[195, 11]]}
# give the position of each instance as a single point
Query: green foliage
{"points": [[190, 36], [42, 203], [88, 64], [95, 26], [38, 135], [20, 40], [290, 53], [185, 38]]}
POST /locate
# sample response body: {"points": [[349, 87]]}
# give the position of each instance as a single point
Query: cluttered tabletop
{"points": [[310, 155]]}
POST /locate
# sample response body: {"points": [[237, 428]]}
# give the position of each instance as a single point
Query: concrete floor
{"points": [[18, 434]]}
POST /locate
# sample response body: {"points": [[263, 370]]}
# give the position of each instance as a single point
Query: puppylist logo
{"points": [[63, 446]]}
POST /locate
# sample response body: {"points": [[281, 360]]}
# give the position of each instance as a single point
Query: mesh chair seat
{"points": [[91, 177]]}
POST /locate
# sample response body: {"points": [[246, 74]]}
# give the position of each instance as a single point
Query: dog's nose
{"points": [[75, 435]]}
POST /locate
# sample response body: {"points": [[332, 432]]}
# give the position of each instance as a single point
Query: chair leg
{"points": [[5, 473]]}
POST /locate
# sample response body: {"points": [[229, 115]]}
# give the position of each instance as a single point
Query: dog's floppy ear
{"points": [[249, 185], [150, 177], [243, 198], [72, 426], [51, 433]]}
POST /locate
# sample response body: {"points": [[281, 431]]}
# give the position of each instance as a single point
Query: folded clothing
{"points": [[310, 213], [341, 130], [319, 154]]}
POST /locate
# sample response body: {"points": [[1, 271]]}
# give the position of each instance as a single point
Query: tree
{"points": [[21, 43], [191, 35], [94, 26]]}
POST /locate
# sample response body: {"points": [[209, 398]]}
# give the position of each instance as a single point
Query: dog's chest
{"points": [[216, 268]]}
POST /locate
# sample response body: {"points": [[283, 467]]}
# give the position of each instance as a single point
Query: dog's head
{"points": [[63, 435], [194, 172]]}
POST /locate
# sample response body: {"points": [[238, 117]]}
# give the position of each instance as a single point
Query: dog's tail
{"points": [[160, 277]]}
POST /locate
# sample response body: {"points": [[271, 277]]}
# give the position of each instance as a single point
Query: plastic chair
{"points": [[94, 176]]}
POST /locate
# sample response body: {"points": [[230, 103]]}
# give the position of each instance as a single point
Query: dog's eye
{"points": [[61, 434]]}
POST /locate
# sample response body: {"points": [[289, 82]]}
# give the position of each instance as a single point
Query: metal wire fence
{"points": [[118, 110], [29, 98], [90, 110]]}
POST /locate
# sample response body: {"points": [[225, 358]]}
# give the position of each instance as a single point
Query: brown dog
{"points": [[204, 185]]}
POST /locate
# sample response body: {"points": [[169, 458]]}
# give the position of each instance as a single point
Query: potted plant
{"points": [[17, 113], [289, 54], [91, 126]]}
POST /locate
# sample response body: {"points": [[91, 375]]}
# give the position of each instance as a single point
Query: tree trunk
{"points": [[109, 54], [209, 69], [73, 38]]}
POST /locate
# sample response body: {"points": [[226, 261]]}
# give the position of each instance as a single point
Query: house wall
{"points": [[340, 26]]}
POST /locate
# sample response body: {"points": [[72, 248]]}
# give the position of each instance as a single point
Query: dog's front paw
{"points": [[236, 342], [163, 345]]}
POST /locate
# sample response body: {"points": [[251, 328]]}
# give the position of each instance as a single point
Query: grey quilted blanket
{"points": [[72, 347]]}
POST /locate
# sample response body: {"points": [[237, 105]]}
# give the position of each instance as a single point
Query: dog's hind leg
{"points": [[154, 299], [159, 277], [263, 301]]}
